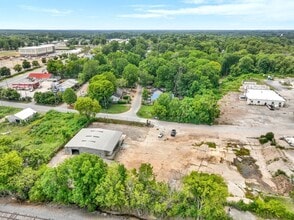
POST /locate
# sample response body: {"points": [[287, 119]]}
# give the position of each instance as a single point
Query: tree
{"points": [[111, 193], [203, 197], [10, 164], [35, 63], [131, 73], [145, 94], [69, 96], [44, 60], [26, 64], [17, 68], [87, 106], [4, 71], [101, 90], [90, 69], [55, 67]]}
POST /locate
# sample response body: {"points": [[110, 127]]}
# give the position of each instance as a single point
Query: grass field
{"points": [[8, 53], [116, 109], [43, 137], [145, 111], [4, 111]]}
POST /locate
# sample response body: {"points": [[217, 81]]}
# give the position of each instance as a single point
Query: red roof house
{"points": [[40, 76]]}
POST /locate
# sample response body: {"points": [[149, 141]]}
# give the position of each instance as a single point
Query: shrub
{"points": [[242, 152]]}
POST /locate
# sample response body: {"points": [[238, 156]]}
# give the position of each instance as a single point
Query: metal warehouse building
{"points": [[97, 141], [37, 50], [264, 97]]}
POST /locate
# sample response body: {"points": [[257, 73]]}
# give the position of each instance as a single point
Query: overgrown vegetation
{"points": [[87, 181], [28, 147], [266, 207], [4, 111], [242, 152]]}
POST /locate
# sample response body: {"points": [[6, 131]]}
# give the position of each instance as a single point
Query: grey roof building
{"points": [[97, 141]]}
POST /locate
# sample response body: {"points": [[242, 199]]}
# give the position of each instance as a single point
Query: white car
{"points": [[160, 135]]}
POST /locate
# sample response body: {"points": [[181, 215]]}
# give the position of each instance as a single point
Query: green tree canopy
{"points": [[87, 106]]}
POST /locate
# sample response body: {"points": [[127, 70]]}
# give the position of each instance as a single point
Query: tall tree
{"points": [[87, 106], [131, 73], [69, 96]]}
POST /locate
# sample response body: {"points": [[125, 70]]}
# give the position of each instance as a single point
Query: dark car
{"points": [[173, 132]]}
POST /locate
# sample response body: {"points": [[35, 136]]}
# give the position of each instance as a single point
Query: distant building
{"points": [[37, 50], [22, 116], [69, 83], [102, 142], [39, 76], [264, 97], [26, 84]]}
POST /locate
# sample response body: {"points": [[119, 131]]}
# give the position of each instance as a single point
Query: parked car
{"points": [[173, 132], [160, 135]]}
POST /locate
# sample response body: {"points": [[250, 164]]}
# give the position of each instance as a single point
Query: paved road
{"points": [[18, 78], [26, 211]]}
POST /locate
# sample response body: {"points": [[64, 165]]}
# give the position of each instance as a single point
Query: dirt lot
{"points": [[173, 157], [193, 148]]}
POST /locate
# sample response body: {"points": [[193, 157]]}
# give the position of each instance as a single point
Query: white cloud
{"points": [[270, 10], [50, 11]]}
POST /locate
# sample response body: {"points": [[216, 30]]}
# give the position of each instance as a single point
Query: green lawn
{"points": [[116, 109], [4, 111], [145, 111]]}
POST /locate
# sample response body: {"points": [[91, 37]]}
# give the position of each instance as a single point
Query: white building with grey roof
{"points": [[97, 141], [264, 97]]}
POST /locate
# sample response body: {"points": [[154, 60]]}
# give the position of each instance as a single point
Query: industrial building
{"points": [[102, 142], [264, 97], [26, 84], [37, 50]]}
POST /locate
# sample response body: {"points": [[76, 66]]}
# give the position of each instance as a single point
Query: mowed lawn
{"points": [[145, 111], [116, 108]]}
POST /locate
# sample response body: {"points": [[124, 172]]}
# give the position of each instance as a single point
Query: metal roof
{"points": [[96, 139], [261, 94], [25, 114]]}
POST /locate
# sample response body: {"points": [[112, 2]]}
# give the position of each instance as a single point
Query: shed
{"points": [[264, 97], [39, 76], [22, 116], [97, 141]]}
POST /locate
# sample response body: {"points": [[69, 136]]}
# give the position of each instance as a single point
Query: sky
{"points": [[147, 15]]}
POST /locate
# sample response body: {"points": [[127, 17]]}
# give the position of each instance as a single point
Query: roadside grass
{"points": [[145, 111], [8, 53], [232, 84], [116, 109], [45, 135], [4, 111]]}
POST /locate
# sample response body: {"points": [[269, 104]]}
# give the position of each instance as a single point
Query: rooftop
{"points": [[26, 113], [36, 47], [40, 75], [261, 94], [96, 138]]}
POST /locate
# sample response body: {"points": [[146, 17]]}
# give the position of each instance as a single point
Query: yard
{"points": [[8, 53], [116, 109], [145, 111]]}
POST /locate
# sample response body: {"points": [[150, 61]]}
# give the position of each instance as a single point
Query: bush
{"points": [[262, 139], [122, 102], [242, 152]]}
